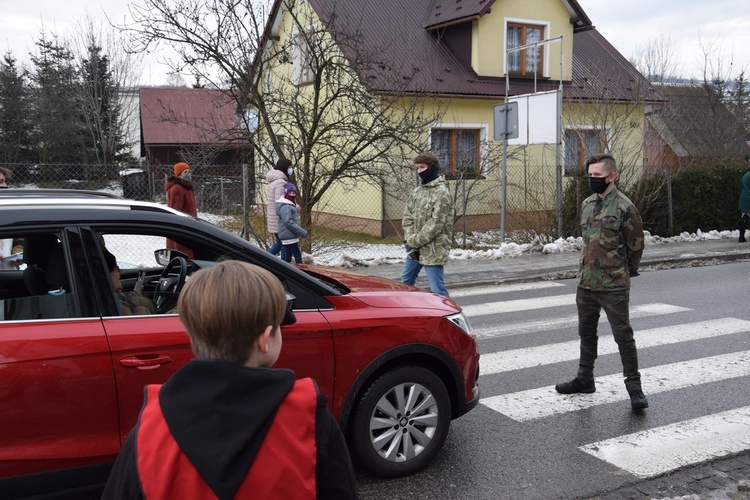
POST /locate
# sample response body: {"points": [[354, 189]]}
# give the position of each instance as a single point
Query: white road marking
{"points": [[511, 287], [519, 305], [640, 311], [503, 361], [657, 451], [545, 401]]}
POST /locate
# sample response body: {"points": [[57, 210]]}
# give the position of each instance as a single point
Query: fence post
{"points": [[670, 202], [246, 219]]}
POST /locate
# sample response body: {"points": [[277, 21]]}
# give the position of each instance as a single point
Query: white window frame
{"points": [[298, 56]]}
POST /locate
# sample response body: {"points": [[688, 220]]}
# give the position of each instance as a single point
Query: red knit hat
{"points": [[180, 168]]}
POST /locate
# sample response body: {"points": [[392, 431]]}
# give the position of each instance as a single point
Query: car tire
{"points": [[401, 422]]}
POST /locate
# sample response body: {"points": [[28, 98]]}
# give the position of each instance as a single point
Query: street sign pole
{"points": [[506, 127]]}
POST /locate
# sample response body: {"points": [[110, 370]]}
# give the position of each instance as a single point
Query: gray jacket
{"points": [[289, 228]]}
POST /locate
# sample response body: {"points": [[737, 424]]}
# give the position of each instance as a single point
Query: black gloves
{"points": [[412, 253]]}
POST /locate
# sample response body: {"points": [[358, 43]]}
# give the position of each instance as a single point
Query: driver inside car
{"points": [[132, 302]]}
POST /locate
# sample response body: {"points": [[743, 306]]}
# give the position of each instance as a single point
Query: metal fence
{"points": [[230, 192]]}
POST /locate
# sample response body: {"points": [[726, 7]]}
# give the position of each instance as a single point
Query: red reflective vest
{"points": [[283, 469]]}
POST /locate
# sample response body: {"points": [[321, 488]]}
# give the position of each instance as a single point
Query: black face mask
{"points": [[428, 175], [598, 184]]}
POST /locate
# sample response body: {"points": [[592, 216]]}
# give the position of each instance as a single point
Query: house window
{"points": [[304, 58], [580, 145], [527, 61], [458, 151]]}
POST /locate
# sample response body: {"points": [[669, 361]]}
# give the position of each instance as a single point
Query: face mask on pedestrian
{"points": [[186, 176], [429, 175], [290, 171], [598, 184]]}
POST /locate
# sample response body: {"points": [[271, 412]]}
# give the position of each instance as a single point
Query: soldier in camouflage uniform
{"points": [[612, 247], [428, 225]]}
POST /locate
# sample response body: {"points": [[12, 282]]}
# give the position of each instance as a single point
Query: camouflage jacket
{"points": [[612, 232], [428, 222]]}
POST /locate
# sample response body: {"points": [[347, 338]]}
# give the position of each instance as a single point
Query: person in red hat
{"points": [[180, 196]]}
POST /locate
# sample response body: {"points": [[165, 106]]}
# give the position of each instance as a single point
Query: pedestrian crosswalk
{"points": [[647, 453], [545, 401], [650, 453]]}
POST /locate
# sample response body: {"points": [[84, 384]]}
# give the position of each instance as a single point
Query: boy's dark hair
{"points": [[226, 307], [6, 172], [427, 158]]}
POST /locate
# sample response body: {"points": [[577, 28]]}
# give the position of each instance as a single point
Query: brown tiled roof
{"points": [[695, 124], [445, 12], [175, 116], [415, 59]]}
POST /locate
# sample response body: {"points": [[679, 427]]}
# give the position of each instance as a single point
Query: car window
{"points": [[127, 253], [36, 281]]}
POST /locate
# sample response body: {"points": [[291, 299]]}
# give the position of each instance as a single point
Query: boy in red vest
{"points": [[227, 425]]}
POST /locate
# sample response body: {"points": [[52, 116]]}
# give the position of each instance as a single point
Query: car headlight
{"points": [[461, 321]]}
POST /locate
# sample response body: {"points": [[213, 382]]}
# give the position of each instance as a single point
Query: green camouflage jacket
{"points": [[428, 222], [612, 232]]}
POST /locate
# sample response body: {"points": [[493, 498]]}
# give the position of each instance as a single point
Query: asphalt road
{"points": [[524, 441]]}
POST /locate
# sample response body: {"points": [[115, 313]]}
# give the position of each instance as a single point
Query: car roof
{"points": [[59, 193], [74, 198]]}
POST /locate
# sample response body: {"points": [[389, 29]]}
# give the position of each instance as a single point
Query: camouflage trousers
{"points": [[616, 305]]}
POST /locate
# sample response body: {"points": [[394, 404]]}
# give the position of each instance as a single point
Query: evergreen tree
{"points": [[738, 101], [101, 108], [57, 109], [15, 129]]}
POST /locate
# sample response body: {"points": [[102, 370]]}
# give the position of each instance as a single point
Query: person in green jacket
{"points": [[428, 225], [613, 242], [744, 205]]}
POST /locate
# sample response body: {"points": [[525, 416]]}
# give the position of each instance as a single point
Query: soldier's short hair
{"points": [[609, 162]]}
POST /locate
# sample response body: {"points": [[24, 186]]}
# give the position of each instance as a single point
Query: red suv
{"points": [[77, 346]]}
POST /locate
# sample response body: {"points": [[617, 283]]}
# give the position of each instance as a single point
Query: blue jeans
{"points": [[279, 247], [434, 276], [291, 250]]}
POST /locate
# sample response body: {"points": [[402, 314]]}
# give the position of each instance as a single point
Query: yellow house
{"points": [[442, 66]]}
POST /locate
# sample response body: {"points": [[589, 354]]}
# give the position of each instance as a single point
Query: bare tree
{"points": [[724, 135], [330, 124], [107, 72], [657, 60]]}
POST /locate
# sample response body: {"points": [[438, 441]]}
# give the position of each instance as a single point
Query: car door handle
{"points": [[146, 362]]}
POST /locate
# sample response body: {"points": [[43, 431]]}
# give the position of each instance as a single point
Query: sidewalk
{"points": [[537, 266]]}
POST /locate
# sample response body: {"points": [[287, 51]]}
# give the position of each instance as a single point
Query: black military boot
{"points": [[638, 400], [576, 386]]}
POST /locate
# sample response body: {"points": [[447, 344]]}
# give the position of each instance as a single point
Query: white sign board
{"points": [[537, 118]]}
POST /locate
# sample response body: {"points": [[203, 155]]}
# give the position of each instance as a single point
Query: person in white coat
{"points": [[276, 178]]}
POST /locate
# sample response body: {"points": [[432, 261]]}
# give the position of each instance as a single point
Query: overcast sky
{"points": [[723, 24]]}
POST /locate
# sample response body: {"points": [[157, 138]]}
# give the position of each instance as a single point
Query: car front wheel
{"points": [[401, 422]]}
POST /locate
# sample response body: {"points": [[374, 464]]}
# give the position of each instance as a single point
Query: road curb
{"points": [[568, 272]]}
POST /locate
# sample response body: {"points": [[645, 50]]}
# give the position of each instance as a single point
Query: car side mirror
{"points": [[165, 255], [289, 317]]}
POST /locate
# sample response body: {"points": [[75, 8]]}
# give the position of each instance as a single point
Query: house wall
{"points": [[623, 126], [488, 40], [376, 209]]}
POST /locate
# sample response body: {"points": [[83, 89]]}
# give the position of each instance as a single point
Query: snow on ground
{"points": [[353, 255]]}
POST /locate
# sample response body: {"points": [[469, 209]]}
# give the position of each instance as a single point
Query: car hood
{"points": [[381, 292], [354, 281]]}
